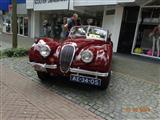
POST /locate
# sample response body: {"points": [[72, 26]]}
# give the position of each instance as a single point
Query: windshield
{"points": [[89, 32]]}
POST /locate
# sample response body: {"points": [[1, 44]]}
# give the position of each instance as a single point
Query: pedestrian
{"points": [[57, 29], [64, 29], [155, 34], [71, 22], [45, 28]]}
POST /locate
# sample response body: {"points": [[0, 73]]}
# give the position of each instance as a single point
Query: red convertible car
{"points": [[85, 56]]}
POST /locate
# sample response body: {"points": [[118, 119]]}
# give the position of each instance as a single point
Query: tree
{"points": [[14, 23]]}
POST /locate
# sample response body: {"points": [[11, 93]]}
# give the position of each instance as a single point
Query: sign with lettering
{"points": [[40, 5]]}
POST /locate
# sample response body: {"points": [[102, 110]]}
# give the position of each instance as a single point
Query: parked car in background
{"points": [[85, 56]]}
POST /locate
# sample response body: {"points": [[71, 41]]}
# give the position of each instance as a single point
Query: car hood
{"points": [[84, 43]]}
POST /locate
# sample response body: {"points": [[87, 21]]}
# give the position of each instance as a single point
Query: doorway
{"points": [[128, 26], [23, 26]]}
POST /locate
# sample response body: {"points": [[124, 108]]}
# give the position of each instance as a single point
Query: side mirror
{"points": [[109, 38], [109, 34]]}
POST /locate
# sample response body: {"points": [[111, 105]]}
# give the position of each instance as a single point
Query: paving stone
{"points": [[126, 91]]}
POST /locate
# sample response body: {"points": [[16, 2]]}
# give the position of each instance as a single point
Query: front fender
{"points": [[101, 61], [34, 55]]}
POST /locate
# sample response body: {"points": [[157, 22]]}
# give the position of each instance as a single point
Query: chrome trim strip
{"points": [[73, 70], [81, 71], [43, 65]]}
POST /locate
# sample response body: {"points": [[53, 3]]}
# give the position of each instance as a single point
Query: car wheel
{"points": [[43, 76], [105, 82]]}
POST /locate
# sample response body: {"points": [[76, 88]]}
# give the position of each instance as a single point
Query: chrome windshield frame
{"points": [[88, 28]]}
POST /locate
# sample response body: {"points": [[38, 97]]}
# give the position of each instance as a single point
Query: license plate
{"points": [[85, 80]]}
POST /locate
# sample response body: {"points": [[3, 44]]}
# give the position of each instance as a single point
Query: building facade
{"points": [[22, 16], [107, 13], [123, 18]]}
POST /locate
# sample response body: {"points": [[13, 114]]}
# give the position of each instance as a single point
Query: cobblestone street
{"points": [[134, 91]]}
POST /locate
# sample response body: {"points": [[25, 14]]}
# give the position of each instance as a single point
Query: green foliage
{"points": [[16, 52]]}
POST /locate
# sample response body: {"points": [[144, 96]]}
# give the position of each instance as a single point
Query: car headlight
{"points": [[42, 47], [87, 56], [45, 50]]}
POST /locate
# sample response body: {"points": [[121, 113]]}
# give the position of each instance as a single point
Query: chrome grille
{"points": [[66, 57]]}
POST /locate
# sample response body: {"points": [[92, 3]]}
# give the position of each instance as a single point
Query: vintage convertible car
{"points": [[85, 56]]}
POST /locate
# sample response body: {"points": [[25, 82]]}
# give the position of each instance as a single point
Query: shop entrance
{"points": [[127, 32], [147, 35]]}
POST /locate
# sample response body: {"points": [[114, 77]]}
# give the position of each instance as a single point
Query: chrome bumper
{"points": [[72, 70], [81, 71], [43, 65]]}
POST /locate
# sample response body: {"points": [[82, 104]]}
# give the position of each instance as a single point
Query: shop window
{"points": [[21, 26], [25, 26], [148, 35]]}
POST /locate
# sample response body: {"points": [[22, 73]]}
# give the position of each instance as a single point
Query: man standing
{"points": [[71, 22]]}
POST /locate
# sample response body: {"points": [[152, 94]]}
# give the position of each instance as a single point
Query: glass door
{"points": [[25, 26], [21, 26]]}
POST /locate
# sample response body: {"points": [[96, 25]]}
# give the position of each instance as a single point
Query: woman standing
{"points": [[64, 29]]}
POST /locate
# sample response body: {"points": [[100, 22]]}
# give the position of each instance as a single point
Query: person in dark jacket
{"points": [[57, 29]]}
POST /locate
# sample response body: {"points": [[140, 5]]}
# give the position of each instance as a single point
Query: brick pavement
{"points": [[23, 99]]}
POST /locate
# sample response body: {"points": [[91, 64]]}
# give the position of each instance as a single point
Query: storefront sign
{"points": [[51, 4], [47, 1]]}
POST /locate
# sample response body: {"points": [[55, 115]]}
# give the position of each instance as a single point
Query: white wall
{"points": [[113, 24], [21, 9], [94, 2], [71, 7], [35, 24], [29, 4], [123, 1], [117, 26], [99, 2], [108, 20]]}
